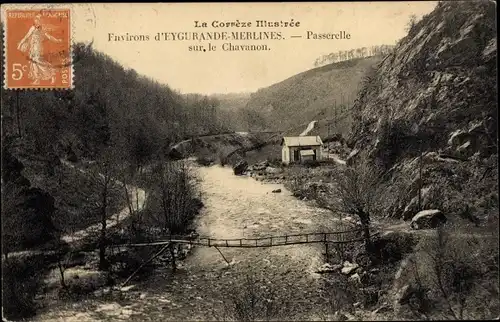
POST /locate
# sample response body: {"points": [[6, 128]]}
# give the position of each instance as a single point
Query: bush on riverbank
{"points": [[21, 279], [173, 198], [457, 283], [254, 300]]}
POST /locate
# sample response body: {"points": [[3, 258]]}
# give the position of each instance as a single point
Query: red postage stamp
{"points": [[37, 49]]}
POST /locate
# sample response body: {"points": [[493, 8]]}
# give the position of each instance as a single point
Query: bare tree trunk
{"points": [[365, 222], [61, 272], [103, 265], [172, 254]]}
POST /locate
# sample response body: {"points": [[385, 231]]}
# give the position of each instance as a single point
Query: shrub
{"points": [[461, 272], [341, 294], [21, 281], [172, 203], [311, 163], [356, 191], [254, 301], [393, 247]]}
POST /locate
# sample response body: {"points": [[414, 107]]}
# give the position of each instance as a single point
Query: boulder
{"points": [[272, 170], [431, 218], [276, 191], [349, 267], [240, 167], [174, 153], [327, 268]]}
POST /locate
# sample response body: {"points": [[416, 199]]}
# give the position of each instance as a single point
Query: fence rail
{"points": [[338, 237]]}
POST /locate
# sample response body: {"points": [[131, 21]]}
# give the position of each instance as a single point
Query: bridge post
{"points": [[172, 254]]}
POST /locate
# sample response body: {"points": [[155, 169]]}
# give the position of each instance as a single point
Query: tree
{"points": [[356, 190], [103, 177], [411, 23]]}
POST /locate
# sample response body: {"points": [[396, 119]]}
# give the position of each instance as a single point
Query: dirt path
{"points": [[309, 128], [137, 200], [234, 207]]}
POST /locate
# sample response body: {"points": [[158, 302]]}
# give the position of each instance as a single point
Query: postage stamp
{"points": [[37, 49]]}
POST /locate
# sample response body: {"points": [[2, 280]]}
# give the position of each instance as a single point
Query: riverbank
{"points": [[204, 285]]}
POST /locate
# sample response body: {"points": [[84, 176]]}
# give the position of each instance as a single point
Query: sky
{"points": [[170, 62]]}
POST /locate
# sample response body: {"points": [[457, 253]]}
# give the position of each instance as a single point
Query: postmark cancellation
{"points": [[37, 49]]}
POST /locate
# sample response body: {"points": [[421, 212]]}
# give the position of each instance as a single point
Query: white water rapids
{"points": [[235, 207]]}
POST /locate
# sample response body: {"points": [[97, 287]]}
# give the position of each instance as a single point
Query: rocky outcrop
{"points": [[27, 211], [435, 97], [445, 75], [431, 218]]}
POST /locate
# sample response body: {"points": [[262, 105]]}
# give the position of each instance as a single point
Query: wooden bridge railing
{"points": [[338, 237]]}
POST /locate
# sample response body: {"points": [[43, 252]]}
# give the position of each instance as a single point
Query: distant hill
{"points": [[318, 94], [231, 108], [232, 101]]}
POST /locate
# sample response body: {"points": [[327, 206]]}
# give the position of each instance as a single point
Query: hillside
{"points": [[232, 101], [318, 93], [232, 108], [111, 112], [436, 93]]}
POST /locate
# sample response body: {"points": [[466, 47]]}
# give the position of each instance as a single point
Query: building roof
{"points": [[306, 153], [302, 141]]}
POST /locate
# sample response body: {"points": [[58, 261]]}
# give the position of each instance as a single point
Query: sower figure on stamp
{"points": [[32, 43]]}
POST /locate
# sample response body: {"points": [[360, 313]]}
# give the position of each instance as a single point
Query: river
{"points": [[235, 207]]}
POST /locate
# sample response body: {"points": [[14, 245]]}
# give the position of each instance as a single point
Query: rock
{"points": [[339, 316], [142, 296], [272, 170], [240, 167], [175, 153], [276, 191], [327, 268], [355, 278], [348, 267], [127, 288], [402, 295], [351, 156], [431, 218], [260, 166]]}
